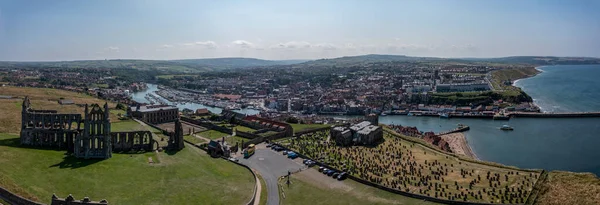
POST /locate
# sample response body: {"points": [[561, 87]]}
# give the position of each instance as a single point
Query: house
{"points": [[202, 112]]}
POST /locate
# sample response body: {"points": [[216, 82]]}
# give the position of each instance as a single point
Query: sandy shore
{"points": [[458, 144]]}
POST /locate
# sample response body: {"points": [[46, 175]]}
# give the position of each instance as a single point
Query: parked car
{"points": [[325, 170], [335, 175], [305, 161], [330, 172], [321, 169], [342, 176], [269, 145], [292, 155], [285, 152], [233, 159]]}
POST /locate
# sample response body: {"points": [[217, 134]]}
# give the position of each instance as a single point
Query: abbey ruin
{"points": [[87, 137]]}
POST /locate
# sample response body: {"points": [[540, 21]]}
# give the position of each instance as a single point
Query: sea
{"points": [[570, 144]]}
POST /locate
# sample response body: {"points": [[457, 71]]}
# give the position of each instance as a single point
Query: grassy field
{"points": [[264, 193], [244, 129], [268, 133], [232, 140], [212, 134], [188, 177], [172, 76], [413, 167], [193, 139], [500, 76], [302, 127], [570, 188], [127, 125], [43, 99], [303, 191]]}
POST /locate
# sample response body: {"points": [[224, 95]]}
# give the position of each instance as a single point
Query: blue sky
{"points": [[176, 29]]}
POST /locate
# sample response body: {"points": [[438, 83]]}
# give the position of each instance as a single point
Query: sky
{"points": [[41, 30]]}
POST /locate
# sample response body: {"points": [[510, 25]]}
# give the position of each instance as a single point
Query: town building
{"points": [[154, 114], [361, 133]]}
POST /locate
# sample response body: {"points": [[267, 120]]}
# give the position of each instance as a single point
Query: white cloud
{"points": [[207, 44], [112, 48], [326, 46], [292, 45], [166, 46], [243, 44]]}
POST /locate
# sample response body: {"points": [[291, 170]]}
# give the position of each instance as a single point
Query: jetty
{"points": [[458, 129], [554, 115]]}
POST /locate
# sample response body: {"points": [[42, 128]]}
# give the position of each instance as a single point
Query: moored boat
{"points": [[506, 127]]}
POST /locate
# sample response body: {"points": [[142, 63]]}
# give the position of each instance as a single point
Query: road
{"points": [[271, 165]]}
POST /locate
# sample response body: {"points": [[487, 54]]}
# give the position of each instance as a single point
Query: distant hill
{"points": [[184, 65], [228, 63], [214, 64], [539, 60], [373, 58]]}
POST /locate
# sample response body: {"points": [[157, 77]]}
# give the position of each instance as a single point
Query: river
{"points": [[152, 88]]}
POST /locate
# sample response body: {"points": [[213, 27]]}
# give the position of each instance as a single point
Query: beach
{"points": [[458, 144]]}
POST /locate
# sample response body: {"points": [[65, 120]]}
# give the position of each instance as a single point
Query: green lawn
{"points": [[303, 192], [193, 139], [168, 77], [302, 127], [264, 192], [268, 133], [212, 134], [189, 176], [234, 139], [127, 125], [244, 129]]}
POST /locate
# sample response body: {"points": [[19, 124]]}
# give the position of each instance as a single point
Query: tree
{"points": [[120, 106]]}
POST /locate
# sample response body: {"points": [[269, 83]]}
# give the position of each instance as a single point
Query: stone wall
{"points": [[207, 125], [70, 200], [15, 199], [132, 141]]}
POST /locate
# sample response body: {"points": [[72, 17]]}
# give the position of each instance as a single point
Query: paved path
{"points": [[271, 165]]}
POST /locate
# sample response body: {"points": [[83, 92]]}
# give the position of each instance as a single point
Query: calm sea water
{"points": [[565, 88]]}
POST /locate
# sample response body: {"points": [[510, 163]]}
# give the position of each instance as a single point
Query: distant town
{"points": [[429, 88]]}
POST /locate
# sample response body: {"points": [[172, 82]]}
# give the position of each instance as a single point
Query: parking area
{"points": [[271, 165]]}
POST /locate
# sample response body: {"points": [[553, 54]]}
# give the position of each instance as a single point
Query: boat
{"points": [[444, 115], [506, 127], [410, 114]]}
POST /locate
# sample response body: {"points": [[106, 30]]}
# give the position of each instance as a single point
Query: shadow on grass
{"points": [[171, 152], [16, 142], [71, 162]]}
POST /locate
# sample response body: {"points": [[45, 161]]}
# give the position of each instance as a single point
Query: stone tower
{"points": [[176, 138], [95, 140]]}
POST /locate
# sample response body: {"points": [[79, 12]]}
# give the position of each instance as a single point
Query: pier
{"points": [[459, 129], [554, 115]]}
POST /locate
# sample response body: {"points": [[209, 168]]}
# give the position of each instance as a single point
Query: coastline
{"points": [[459, 145]]}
